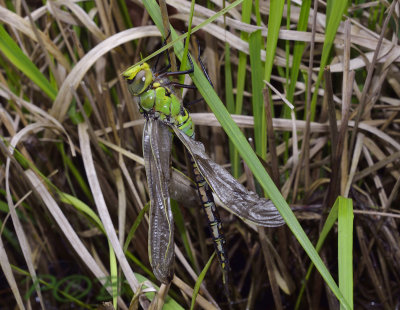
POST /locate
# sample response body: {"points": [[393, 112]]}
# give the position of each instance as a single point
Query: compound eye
{"points": [[141, 76], [137, 84]]}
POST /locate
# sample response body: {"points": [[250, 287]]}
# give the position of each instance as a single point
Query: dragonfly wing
{"points": [[156, 153], [232, 194]]}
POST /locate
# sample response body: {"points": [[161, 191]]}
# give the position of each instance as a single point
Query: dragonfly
{"points": [[165, 114]]}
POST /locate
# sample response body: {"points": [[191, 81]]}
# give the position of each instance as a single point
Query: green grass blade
{"points": [[330, 221], [15, 55], [241, 74], [135, 225], [274, 25], [141, 265], [113, 274], [230, 105], [339, 7], [180, 225], [343, 211], [345, 248], [200, 279], [260, 125], [125, 13], [82, 207], [186, 51], [240, 84], [298, 52]]}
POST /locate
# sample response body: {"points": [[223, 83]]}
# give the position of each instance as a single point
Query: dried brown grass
{"points": [[351, 149]]}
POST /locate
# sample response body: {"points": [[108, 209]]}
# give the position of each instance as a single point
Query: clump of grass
{"points": [[317, 93]]}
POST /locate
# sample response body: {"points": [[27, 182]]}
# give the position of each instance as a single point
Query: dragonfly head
{"points": [[139, 78]]}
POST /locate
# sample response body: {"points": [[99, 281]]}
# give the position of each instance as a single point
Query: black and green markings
{"points": [[214, 221]]}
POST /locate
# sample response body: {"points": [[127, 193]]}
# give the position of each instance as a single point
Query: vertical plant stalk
{"points": [[347, 89], [333, 187], [270, 267], [42, 45], [271, 138], [363, 100], [305, 147], [166, 25]]}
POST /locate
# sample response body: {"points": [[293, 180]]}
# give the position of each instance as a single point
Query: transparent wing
{"points": [[156, 153], [232, 194]]}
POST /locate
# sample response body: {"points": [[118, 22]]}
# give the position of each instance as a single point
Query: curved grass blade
{"points": [[156, 153], [200, 280], [23, 63]]}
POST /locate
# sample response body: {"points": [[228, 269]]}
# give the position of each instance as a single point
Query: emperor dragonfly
{"points": [[163, 110]]}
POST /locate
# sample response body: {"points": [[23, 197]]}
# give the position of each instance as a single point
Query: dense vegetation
{"points": [[316, 96]]}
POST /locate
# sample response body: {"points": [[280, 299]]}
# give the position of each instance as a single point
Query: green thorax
{"points": [[157, 99]]}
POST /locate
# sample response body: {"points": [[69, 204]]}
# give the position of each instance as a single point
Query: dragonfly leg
{"points": [[180, 85], [163, 73], [191, 70], [174, 73], [203, 67], [166, 52], [188, 104]]}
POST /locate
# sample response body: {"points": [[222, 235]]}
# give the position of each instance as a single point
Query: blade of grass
{"points": [[200, 280], [260, 125], [343, 211], [230, 105], [15, 55], [330, 221], [141, 265], [345, 248], [125, 13], [180, 224], [240, 83], [294, 72], [339, 7], [186, 51], [113, 274], [135, 225], [259, 172], [297, 52], [274, 24]]}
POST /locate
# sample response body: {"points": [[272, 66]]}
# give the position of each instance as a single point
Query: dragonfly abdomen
{"points": [[214, 221]]}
